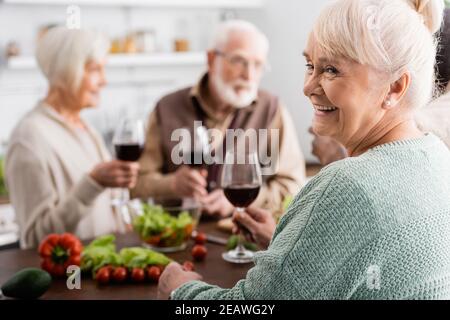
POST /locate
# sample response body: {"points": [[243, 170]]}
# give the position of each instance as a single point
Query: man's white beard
{"points": [[227, 93]]}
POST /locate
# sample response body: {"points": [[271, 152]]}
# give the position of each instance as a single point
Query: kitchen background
{"points": [[158, 46]]}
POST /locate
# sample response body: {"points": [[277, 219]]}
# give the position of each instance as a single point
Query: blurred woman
{"points": [[375, 225], [435, 117], [57, 166]]}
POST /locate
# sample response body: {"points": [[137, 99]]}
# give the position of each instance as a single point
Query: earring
{"points": [[388, 103]]}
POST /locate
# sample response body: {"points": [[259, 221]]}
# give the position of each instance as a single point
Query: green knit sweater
{"points": [[375, 226]]}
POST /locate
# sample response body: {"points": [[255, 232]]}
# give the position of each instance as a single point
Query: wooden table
{"points": [[214, 270]]}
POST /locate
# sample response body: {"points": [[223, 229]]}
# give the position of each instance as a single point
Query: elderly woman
{"points": [[435, 117], [375, 225], [57, 166]]}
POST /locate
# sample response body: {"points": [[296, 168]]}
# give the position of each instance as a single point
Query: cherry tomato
{"points": [[199, 252], [200, 238], [119, 274], [103, 275], [188, 266], [153, 273], [153, 240], [137, 275], [110, 268], [161, 267]]}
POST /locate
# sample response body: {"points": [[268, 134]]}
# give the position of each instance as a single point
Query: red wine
{"points": [[241, 195], [128, 152]]}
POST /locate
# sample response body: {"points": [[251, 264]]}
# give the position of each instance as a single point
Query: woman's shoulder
{"points": [[336, 184], [340, 174], [335, 195], [34, 131], [381, 163], [383, 173], [342, 191], [30, 126]]}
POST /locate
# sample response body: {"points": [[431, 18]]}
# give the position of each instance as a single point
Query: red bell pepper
{"points": [[60, 251]]}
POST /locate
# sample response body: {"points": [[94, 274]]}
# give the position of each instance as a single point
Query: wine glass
{"points": [[241, 182], [196, 150], [128, 141]]}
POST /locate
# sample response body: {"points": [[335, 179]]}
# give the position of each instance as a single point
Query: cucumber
{"points": [[29, 283]]}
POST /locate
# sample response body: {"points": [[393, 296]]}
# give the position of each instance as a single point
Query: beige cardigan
{"points": [[435, 117], [47, 176]]}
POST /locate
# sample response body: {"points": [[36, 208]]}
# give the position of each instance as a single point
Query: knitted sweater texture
{"points": [[375, 226]]}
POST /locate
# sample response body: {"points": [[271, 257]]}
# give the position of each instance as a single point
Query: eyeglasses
{"points": [[242, 63]]}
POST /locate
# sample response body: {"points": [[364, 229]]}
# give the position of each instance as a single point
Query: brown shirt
{"points": [[179, 109]]}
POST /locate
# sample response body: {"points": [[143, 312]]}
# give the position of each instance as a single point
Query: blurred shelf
{"points": [[148, 3], [128, 60]]}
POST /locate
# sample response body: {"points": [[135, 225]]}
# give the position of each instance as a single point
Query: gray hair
{"points": [[63, 53], [394, 36], [225, 29]]}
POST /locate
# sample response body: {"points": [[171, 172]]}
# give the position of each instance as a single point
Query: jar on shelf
{"points": [[12, 50], [181, 41], [146, 41], [116, 46], [130, 44]]}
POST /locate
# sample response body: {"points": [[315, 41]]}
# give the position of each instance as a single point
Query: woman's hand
{"points": [[216, 204], [116, 174], [173, 277], [259, 223], [190, 182]]}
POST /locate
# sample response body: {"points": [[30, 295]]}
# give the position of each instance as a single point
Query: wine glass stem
{"points": [[240, 249], [124, 195]]}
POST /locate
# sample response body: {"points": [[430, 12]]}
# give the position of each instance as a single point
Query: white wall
{"points": [[287, 24], [130, 90]]}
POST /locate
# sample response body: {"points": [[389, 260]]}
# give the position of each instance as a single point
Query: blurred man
{"points": [[226, 97]]}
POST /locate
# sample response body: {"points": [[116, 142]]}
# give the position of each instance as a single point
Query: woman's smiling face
{"points": [[347, 96]]}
